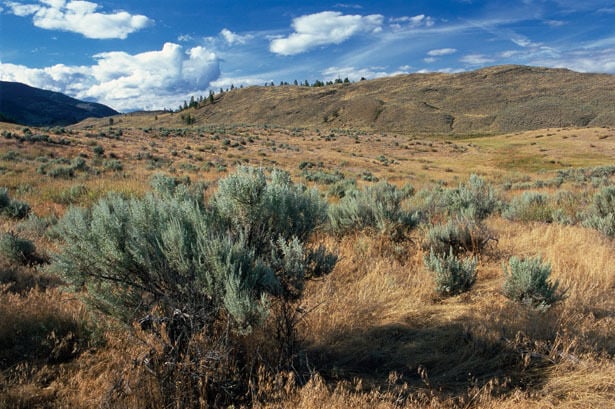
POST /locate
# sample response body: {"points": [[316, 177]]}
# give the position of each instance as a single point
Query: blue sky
{"points": [[155, 54]]}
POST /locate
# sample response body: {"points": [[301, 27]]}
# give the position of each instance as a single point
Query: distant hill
{"points": [[25, 105], [491, 100]]}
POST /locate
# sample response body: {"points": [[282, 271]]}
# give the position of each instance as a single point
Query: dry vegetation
{"points": [[492, 100], [375, 335]]}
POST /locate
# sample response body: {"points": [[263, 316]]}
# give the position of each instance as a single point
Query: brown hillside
{"points": [[490, 100]]}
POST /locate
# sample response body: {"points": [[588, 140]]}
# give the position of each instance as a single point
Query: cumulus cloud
{"points": [[80, 17], [441, 51], [150, 80], [327, 27]]}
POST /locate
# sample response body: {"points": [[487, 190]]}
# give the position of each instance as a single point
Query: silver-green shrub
{"points": [[378, 207], [261, 210], [530, 206], [199, 259], [527, 281], [459, 235], [451, 274], [476, 199], [14, 209], [187, 267], [16, 249], [601, 213]]}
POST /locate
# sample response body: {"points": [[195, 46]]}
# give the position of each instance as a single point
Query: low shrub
{"points": [[71, 195], [459, 235], [378, 207], [14, 209], [601, 213], [451, 275], [476, 199], [36, 226], [113, 165], [527, 281], [341, 188], [530, 206], [16, 249], [323, 177]]}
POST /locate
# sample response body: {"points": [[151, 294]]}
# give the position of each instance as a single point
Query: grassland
{"points": [[376, 334]]}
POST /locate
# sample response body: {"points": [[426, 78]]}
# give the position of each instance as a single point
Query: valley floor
{"points": [[375, 334]]}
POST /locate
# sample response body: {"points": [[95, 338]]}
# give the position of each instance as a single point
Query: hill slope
{"points": [[490, 100], [31, 106]]}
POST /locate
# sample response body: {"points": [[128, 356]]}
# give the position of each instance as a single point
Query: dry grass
{"points": [[493, 100], [376, 334]]}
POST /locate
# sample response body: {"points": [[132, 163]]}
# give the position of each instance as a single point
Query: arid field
{"points": [[374, 332]]}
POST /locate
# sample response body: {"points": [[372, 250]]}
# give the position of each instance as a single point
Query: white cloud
{"points": [[184, 38], [509, 53], [149, 80], [441, 70], [582, 61], [355, 74], [233, 38], [80, 17], [327, 27], [430, 60], [405, 22], [415, 21], [441, 51], [227, 81], [475, 59], [555, 23]]}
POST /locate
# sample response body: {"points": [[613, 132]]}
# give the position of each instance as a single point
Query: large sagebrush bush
{"points": [[601, 213], [451, 274], [526, 281], [185, 267], [378, 207], [184, 256]]}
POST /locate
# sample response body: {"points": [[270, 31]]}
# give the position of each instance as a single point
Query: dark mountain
{"points": [[25, 105]]}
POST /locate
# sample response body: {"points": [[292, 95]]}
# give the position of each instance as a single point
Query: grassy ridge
{"points": [[492, 101]]}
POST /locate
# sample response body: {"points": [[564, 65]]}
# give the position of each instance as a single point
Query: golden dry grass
{"points": [[376, 335]]}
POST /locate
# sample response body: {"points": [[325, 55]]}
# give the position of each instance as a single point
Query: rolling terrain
{"points": [[487, 101], [374, 332]]}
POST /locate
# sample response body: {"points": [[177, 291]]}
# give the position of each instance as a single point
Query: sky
{"points": [[154, 54]]}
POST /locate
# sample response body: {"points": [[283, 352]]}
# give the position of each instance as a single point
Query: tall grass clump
{"points": [[526, 281], [601, 213], [187, 270], [451, 275], [378, 207]]}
